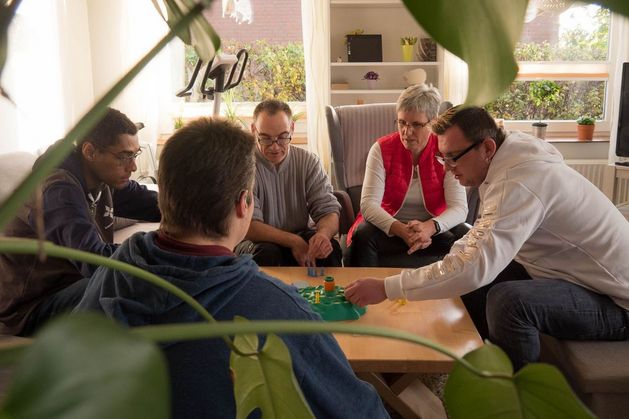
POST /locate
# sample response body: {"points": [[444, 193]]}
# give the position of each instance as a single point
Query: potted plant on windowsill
{"points": [[372, 77], [543, 93], [585, 128]]}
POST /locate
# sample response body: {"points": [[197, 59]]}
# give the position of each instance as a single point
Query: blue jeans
{"points": [[517, 311], [62, 301]]}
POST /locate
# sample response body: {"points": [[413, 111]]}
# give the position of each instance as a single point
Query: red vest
{"points": [[398, 167]]}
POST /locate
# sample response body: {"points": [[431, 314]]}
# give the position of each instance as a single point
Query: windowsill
{"points": [[566, 139]]}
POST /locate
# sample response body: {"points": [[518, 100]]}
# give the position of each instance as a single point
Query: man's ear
{"points": [[244, 201], [489, 146], [88, 151]]}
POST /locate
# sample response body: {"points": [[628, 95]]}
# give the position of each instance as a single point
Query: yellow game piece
{"points": [[402, 301], [317, 297]]}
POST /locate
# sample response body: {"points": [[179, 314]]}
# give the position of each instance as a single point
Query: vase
{"points": [[585, 132], [539, 130], [371, 84], [407, 53]]}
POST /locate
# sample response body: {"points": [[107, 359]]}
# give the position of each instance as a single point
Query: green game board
{"points": [[332, 305]]}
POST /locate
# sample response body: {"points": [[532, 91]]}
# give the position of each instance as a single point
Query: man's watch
{"points": [[437, 227]]}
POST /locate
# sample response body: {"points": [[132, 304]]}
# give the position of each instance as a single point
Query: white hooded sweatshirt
{"points": [[542, 213]]}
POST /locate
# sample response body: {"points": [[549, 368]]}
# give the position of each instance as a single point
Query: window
{"points": [[276, 68], [564, 50]]}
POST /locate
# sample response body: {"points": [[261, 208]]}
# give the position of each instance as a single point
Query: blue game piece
{"points": [[321, 272], [311, 271]]}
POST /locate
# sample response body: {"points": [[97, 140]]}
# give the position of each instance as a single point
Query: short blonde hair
{"points": [[420, 98]]}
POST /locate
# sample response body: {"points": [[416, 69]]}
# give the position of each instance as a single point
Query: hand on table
{"points": [[319, 246], [366, 291]]}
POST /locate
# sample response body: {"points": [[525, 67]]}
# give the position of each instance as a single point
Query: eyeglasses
{"points": [[124, 158], [451, 161], [267, 140], [416, 126]]}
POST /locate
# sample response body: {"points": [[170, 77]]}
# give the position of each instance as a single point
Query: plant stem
{"points": [[89, 120], [31, 246], [178, 332]]}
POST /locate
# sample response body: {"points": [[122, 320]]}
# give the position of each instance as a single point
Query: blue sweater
{"points": [[227, 286]]}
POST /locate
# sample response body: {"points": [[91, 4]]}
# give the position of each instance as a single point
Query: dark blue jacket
{"points": [[70, 221], [227, 286]]}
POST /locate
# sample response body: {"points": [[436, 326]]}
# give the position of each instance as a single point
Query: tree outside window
{"points": [[567, 45]]}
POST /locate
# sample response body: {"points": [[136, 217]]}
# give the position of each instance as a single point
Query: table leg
{"points": [[413, 400]]}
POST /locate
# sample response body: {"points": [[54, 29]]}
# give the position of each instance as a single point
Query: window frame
{"points": [[575, 71]]}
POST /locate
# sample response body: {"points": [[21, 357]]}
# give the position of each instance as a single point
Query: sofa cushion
{"points": [[14, 167], [591, 366]]}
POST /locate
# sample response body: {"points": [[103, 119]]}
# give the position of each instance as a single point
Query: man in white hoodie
{"points": [[560, 230]]}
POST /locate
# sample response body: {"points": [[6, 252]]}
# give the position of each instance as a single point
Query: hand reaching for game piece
{"points": [[366, 291], [300, 253]]}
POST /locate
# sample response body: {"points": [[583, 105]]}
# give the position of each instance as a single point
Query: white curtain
{"points": [[621, 35], [47, 74], [315, 19], [121, 33], [455, 78], [65, 54]]}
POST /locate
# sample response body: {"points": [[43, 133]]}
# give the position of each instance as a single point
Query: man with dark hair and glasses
{"points": [[539, 220], [408, 203], [296, 215], [79, 201]]}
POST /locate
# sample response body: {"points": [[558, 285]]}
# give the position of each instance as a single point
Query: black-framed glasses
{"points": [[124, 158], [415, 126], [451, 161], [267, 140]]}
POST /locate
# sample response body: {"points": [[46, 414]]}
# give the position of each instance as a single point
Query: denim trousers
{"points": [[518, 311], [62, 301]]}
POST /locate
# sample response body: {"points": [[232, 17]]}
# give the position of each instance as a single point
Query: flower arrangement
{"points": [[408, 40], [371, 75]]}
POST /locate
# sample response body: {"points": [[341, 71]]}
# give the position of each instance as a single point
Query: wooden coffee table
{"points": [[392, 366]]}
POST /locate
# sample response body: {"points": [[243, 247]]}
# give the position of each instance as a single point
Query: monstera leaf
{"points": [[85, 366], [199, 34], [265, 379], [483, 34], [536, 391]]}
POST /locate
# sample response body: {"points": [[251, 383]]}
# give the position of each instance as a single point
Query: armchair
{"points": [[352, 130]]}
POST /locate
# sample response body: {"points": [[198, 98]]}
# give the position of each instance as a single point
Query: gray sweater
{"points": [[297, 191]]}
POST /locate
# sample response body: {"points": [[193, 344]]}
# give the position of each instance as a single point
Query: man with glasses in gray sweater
{"points": [[296, 216]]}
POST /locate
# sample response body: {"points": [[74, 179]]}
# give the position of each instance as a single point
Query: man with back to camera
{"points": [[193, 249], [291, 189], [559, 229], [79, 201]]}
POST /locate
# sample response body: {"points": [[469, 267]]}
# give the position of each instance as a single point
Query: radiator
{"points": [[594, 171]]}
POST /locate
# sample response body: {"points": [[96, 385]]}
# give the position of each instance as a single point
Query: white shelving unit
{"points": [[390, 19]]}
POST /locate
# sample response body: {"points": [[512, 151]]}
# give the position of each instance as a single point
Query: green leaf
{"points": [[7, 11], [85, 366], [481, 33], [616, 6], [542, 388], [266, 379], [199, 34], [536, 391]]}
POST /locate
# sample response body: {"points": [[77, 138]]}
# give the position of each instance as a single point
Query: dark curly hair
{"points": [[108, 129]]}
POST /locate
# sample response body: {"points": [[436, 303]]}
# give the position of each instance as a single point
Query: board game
{"points": [[329, 302]]}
